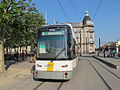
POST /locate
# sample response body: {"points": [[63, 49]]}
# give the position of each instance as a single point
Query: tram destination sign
{"points": [[52, 33]]}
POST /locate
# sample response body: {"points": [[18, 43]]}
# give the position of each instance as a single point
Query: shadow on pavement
{"points": [[50, 80], [86, 56], [9, 63]]}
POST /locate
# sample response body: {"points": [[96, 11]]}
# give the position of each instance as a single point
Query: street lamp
{"points": [[80, 43], [86, 45]]}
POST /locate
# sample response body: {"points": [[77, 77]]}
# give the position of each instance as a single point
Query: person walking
{"points": [[114, 51], [16, 55], [104, 51], [23, 55]]}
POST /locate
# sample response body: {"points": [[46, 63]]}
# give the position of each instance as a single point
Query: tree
{"points": [[19, 21]]}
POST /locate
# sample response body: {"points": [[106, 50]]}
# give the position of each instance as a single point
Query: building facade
{"points": [[84, 32]]}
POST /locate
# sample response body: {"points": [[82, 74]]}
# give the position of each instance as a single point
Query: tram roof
{"points": [[56, 26]]}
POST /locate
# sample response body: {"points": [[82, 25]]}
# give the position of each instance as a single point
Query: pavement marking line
{"points": [[109, 88]]}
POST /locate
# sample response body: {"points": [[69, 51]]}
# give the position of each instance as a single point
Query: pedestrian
{"points": [[16, 55], [104, 53], [26, 54], [34, 54], [114, 51], [23, 54], [98, 52], [110, 53], [33, 58]]}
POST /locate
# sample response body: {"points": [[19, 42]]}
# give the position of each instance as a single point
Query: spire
{"points": [[86, 13]]}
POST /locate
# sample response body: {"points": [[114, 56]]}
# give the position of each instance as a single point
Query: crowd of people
{"points": [[109, 53], [19, 56]]}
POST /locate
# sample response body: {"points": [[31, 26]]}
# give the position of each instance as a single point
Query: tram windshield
{"points": [[52, 44]]}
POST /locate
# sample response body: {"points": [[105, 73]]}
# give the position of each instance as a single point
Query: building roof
{"points": [[87, 20]]}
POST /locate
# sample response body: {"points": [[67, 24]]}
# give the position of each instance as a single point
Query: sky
{"points": [[106, 21]]}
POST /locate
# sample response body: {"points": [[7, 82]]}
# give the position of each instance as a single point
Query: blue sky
{"points": [[107, 20]]}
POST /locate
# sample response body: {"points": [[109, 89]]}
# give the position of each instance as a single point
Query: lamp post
{"points": [[80, 43], [86, 44], [99, 43], [46, 17]]}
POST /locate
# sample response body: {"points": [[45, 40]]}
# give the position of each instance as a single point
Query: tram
{"points": [[57, 52]]}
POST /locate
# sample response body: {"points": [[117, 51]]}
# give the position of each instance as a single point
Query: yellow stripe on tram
{"points": [[50, 66]]}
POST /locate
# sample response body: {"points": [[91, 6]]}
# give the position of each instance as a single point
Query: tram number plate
{"points": [[50, 66]]}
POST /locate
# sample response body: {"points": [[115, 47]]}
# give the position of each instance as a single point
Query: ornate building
{"points": [[85, 34]]}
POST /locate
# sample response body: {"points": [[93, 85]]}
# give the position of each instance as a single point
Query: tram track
{"points": [[38, 85], [60, 85], [104, 81], [115, 75]]}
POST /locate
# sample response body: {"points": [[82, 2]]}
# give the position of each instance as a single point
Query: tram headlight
{"points": [[39, 65]]}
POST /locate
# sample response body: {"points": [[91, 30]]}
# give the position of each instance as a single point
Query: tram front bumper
{"points": [[60, 75]]}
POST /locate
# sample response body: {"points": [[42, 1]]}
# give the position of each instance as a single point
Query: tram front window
{"points": [[52, 45]]}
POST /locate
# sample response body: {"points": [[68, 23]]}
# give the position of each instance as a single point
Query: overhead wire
{"points": [[63, 10], [97, 9], [75, 9]]}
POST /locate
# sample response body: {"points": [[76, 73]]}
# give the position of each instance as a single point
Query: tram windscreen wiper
{"points": [[58, 54]]}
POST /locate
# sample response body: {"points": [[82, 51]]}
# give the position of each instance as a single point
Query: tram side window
{"points": [[74, 49], [71, 46], [74, 52]]}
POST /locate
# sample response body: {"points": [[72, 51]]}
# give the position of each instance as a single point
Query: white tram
{"points": [[57, 55]]}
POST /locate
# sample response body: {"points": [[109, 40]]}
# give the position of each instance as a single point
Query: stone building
{"points": [[85, 34]]}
